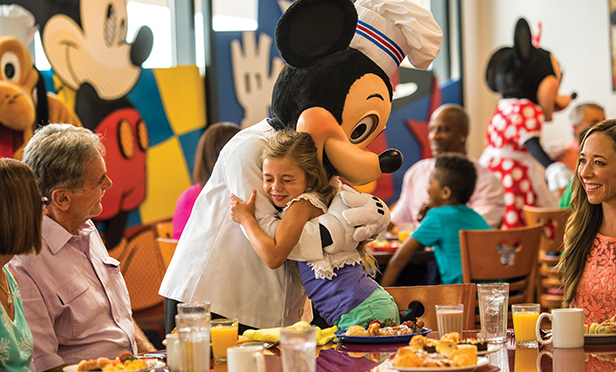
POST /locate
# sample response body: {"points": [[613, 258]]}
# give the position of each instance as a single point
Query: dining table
{"points": [[505, 357]]}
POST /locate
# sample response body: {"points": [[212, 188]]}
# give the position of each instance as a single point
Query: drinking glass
{"points": [[224, 336], [298, 349], [450, 318], [524, 321], [194, 334], [193, 308], [493, 301]]}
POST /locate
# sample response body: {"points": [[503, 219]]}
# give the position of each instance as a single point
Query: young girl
{"points": [[296, 182]]}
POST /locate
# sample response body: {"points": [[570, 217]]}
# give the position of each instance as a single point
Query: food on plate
{"points": [[608, 326], [125, 362], [387, 328], [445, 345], [452, 336], [356, 331], [408, 358], [479, 344]]}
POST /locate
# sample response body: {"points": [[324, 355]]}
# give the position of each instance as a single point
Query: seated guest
{"points": [[21, 209], [448, 131], [212, 141], [451, 184], [75, 299], [589, 257], [582, 116]]}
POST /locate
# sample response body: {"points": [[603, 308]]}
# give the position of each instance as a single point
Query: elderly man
{"points": [[75, 299], [449, 128]]}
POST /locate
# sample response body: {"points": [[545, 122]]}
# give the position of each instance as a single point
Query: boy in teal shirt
{"points": [[452, 183]]}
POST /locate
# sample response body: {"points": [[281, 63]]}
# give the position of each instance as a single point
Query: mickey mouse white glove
{"points": [[353, 217], [558, 176]]}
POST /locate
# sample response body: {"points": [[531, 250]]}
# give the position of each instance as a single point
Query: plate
{"points": [[384, 246], [600, 339], [481, 361], [379, 339], [152, 365]]}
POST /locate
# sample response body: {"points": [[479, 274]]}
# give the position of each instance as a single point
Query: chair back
{"points": [[164, 229], [432, 295], [167, 249], [548, 286], [509, 255]]}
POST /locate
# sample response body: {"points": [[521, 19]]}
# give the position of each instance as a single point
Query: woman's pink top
{"points": [[183, 207], [596, 291]]}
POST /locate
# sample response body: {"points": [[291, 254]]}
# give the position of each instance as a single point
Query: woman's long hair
{"points": [[583, 224]]}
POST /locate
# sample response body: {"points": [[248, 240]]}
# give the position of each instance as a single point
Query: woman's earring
{"points": [[462, 139]]}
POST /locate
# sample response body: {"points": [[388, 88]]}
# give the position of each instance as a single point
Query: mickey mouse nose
{"points": [[390, 160]]}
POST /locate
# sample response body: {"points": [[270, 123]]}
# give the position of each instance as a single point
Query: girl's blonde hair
{"points": [[301, 150]]}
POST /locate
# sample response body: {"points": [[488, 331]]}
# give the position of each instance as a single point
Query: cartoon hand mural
{"points": [[252, 77]]}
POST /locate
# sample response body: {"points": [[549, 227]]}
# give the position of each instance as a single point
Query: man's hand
{"points": [[353, 217]]}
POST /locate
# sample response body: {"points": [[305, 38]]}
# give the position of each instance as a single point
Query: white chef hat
{"points": [[389, 30], [17, 22]]}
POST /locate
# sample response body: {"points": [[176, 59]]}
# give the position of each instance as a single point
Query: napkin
{"points": [[273, 334]]}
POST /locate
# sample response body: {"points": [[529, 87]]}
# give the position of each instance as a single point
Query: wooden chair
{"points": [[497, 255], [548, 285], [167, 249], [164, 229], [431, 295]]}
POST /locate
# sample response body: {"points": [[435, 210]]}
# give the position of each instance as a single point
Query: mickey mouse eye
{"points": [[110, 25], [10, 67], [363, 129]]}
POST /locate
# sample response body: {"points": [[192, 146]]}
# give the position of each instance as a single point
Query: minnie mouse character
{"points": [[336, 87], [528, 78]]}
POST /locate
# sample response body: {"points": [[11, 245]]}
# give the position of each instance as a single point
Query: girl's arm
{"points": [[399, 260], [273, 251]]}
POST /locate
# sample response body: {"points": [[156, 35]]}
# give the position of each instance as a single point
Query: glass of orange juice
{"points": [[524, 322], [224, 335], [404, 231]]}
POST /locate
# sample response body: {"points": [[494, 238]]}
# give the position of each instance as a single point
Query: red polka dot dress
{"points": [[514, 122]]}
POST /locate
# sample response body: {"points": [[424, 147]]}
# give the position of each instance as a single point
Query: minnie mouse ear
{"points": [[522, 42], [495, 67], [312, 29]]}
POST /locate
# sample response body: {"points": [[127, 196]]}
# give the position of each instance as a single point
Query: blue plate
{"points": [[379, 339]]}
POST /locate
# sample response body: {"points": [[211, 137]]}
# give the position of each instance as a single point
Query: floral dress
{"points": [[15, 337], [514, 122], [596, 291]]}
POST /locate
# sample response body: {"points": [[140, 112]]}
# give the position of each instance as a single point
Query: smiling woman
{"points": [[590, 238]]}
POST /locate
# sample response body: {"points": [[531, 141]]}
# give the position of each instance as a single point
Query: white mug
{"points": [[245, 359], [173, 352], [567, 328], [564, 360]]}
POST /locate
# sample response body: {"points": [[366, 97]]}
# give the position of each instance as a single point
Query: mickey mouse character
{"points": [[336, 87], [528, 78], [85, 42]]}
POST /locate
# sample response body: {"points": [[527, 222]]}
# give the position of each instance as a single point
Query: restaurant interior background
{"points": [[195, 75]]}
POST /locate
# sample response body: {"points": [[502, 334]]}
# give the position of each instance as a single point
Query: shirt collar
{"points": [[56, 236]]}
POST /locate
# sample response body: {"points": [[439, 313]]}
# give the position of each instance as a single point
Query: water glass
{"points": [[524, 321], [173, 352], [194, 334], [450, 318], [193, 308], [493, 302], [298, 349]]}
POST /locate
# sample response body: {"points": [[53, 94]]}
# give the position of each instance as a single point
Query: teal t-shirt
{"points": [[15, 337], [441, 229]]}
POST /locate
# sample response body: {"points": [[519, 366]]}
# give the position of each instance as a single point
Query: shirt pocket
{"points": [[71, 296], [112, 266]]}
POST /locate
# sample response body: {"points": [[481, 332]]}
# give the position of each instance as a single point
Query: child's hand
{"points": [[240, 210]]}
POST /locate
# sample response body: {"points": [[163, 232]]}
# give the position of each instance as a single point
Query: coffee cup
{"points": [[567, 328], [245, 359], [564, 360]]}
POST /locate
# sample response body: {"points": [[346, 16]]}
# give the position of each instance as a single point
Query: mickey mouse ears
{"points": [[384, 30]]}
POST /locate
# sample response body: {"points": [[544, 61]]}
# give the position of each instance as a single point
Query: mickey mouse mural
{"points": [[85, 43], [528, 78], [335, 86]]}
